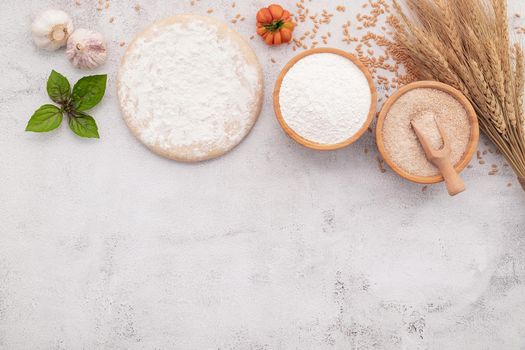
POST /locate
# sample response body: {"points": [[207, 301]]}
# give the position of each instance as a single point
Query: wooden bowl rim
{"points": [[298, 138], [474, 129]]}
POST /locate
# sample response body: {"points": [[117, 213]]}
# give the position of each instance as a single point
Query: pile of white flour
{"points": [[325, 98], [187, 89]]}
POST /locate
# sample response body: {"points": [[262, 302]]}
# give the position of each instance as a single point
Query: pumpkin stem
{"points": [[274, 26]]}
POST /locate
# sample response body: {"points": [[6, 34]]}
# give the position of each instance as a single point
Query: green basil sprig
{"points": [[86, 94]]}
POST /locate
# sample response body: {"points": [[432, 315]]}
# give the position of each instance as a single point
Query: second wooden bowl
{"points": [[474, 130], [298, 138]]}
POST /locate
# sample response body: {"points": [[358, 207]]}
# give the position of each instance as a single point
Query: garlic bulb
{"points": [[51, 29], [86, 49]]}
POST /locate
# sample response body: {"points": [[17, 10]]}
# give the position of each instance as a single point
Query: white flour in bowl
{"points": [[325, 98]]}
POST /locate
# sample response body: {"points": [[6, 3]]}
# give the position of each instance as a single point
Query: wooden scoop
{"points": [[441, 158]]}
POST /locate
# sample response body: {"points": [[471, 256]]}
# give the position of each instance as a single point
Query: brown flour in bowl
{"points": [[401, 142]]}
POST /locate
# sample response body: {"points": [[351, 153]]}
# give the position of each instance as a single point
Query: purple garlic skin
{"points": [[86, 49]]}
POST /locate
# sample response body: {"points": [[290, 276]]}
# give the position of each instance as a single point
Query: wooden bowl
{"points": [[298, 138], [474, 130]]}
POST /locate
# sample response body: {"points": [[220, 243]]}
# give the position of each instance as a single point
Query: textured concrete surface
{"points": [[104, 245]]}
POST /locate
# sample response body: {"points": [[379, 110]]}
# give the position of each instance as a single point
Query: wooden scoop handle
{"points": [[453, 181], [441, 158]]}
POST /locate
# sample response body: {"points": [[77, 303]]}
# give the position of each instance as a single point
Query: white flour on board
{"points": [[325, 98], [188, 86]]}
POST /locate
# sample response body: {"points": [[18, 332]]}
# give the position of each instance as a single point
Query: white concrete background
{"points": [[104, 245]]}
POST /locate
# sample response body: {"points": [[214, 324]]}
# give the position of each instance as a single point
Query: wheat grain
{"points": [[519, 73], [493, 108]]}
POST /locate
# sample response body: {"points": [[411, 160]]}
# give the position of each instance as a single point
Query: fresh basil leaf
{"points": [[46, 118], [83, 125], [88, 92], [58, 87]]}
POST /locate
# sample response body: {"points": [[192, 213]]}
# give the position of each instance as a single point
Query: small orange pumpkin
{"points": [[275, 25]]}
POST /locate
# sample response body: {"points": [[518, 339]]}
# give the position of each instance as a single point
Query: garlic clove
{"points": [[86, 49], [51, 29]]}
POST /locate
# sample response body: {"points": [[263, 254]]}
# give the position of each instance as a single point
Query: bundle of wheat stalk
{"points": [[466, 44]]}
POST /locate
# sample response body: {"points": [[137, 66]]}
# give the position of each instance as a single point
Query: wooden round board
{"points": [[190, 88]]}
